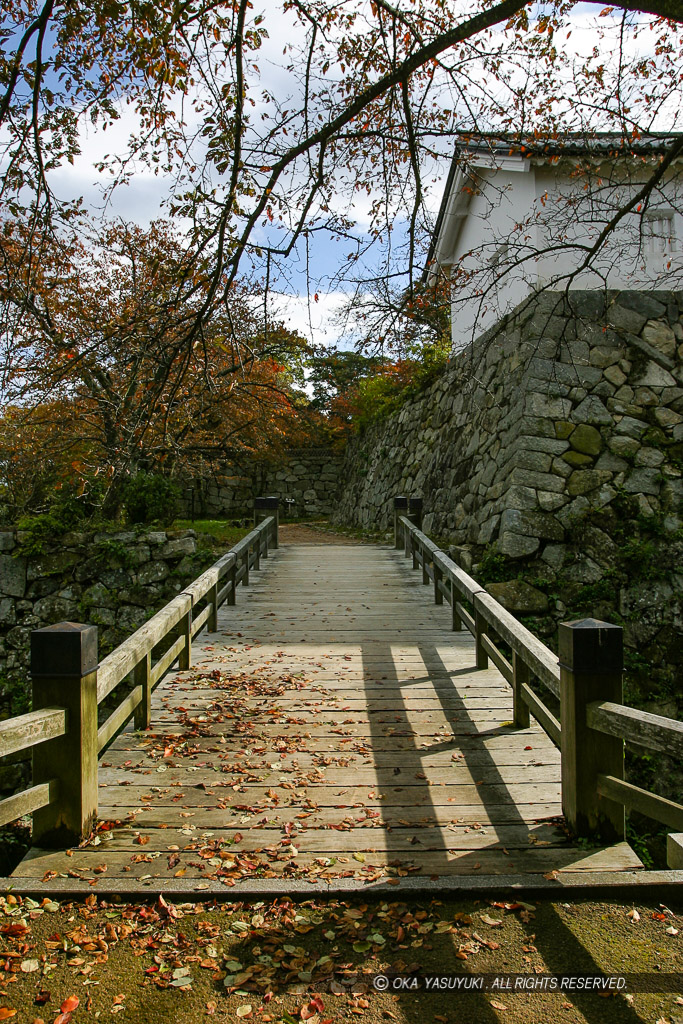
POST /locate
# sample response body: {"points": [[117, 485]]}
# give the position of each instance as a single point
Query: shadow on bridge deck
{"points": [[333, 734]]}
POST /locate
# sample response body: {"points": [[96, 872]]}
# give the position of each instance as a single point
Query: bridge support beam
{"points": [[591, 668]]}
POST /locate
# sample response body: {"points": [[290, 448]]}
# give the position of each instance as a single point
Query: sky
{"points": [[141, 200]]}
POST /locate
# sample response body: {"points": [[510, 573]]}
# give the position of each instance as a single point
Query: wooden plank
{"points": [[459, 836], [652, 731], [28, 801], [498, 659], [24, 731], [201, 619], [415, 775], [166, 660], [241, 817], [283, 862], [636, 799], [119, 717], [251, 794], [116, 666], [541, 713]]}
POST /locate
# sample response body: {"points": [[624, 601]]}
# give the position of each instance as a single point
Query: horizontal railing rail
{"points": [[530, 657], [585, 680], [69, 686]]}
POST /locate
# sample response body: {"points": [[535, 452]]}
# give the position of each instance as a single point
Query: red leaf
{"points": [[69, 1004]]}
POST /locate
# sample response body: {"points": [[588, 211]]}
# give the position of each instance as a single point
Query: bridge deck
{"points": [[334, 727]]}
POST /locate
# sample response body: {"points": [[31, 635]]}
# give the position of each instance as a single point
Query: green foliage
{"points": [[150, 497], [397, 382], [495, 568], [66, 511]]}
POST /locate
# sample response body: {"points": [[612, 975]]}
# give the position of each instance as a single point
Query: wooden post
{"points": [[64, 674], [142, 676], [456, 621], [265, 507], [232, 573], [438, 576], [212, 621], [400, 509], [674, 851], [415, 511], [185, 656], [520, 676], [591, 665], [480, 628], [247, 558]]}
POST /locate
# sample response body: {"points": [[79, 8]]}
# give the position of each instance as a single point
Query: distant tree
{"points": [[367, 97], [332, 373], [98, 382]]}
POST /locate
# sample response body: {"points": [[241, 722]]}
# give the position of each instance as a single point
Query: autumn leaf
{"points": [[70, 1004], [6, 1013]]}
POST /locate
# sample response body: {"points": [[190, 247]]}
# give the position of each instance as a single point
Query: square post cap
{"points": [[415, 504], [272, 501], [401, 501], [590, 645], [65, 649]]}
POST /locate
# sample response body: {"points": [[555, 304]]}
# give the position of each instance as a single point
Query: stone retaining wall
{"points": [[307, 481], [549, 457], [113, 580]]}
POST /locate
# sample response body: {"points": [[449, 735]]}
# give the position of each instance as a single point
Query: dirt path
{"points": [[284, 962], [304, 533]]}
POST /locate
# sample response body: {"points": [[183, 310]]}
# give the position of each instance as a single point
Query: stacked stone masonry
{"points": [[545, 430], [306, 481], [112, 580], [549, 415]]}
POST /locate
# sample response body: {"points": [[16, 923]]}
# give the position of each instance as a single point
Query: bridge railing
{"points": [[69, 685], [586, 681]]}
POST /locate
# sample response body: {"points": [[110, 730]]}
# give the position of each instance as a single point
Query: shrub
{"points": [[150, 497]]}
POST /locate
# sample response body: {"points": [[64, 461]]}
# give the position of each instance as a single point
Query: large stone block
{"points": [[532, 524], [547, 406], [7, 612], [660, 336], [12, 576], [643, 481], [55, 609], [538, 461], [540, 481], [519, 597], [179, 547], [586, 439], [7, 541], [515, 545], [583, 481], [592, 411]]}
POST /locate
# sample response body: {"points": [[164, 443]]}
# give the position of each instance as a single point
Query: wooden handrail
{"points": [[590, 732], [64, 662], [24, 731], [652, 731]]}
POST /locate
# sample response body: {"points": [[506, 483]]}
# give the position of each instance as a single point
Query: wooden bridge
{"points": [[331, 728]]}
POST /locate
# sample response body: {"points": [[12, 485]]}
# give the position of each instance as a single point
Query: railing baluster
{"points": [[520, 677], [400, 509], [142, 676]]}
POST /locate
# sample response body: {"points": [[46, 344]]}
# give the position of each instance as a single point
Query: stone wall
{"points": [[306, 479], [113, 580], [549, 456]]}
